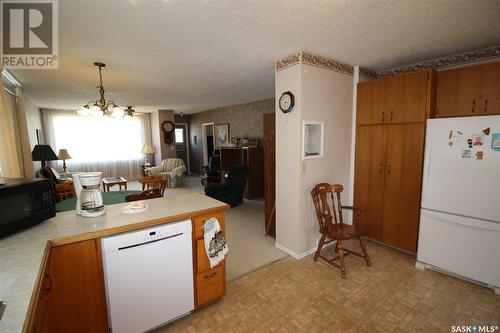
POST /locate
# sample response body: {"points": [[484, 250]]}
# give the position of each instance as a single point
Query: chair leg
{"points": [[320, 245], [336, 246], [363, 247], [341, 258]]}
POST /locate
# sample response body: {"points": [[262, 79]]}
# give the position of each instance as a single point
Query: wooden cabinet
{"points": [[395, 99], [389, 156], [369, 178], [490, 89], [402, 184], [251, 157], [72, 297], [210, 283], [387, 183], [469, 91]]}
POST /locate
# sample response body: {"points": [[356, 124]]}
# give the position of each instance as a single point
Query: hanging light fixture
{"points": [[101, 107]]}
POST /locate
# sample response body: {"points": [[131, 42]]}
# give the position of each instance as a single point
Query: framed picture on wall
{"points": [[222, 137], [312, 139]]}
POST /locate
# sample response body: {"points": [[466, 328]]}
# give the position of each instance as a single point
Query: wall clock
{"points": [[168, 131], [286, 102]]}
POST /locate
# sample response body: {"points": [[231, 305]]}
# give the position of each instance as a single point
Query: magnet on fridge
{"points": [[486, 131], [495, 141], [450, 143], [466, 153], [479, 155], [469, 142], [478, 139]]}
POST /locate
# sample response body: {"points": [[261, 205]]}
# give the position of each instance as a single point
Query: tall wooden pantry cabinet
{"points": [[390, 134]]}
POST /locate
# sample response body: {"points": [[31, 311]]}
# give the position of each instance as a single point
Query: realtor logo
{"points": [[29, 34]]}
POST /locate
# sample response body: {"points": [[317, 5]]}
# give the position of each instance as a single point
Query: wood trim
{"points": [[30, 314]]}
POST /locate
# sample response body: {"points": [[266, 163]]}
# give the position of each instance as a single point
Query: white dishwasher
{"points": [[148, 276]]}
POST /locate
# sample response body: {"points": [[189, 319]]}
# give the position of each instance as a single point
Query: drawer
{"points": [[203, 264], [210, 285], [199, 221]]}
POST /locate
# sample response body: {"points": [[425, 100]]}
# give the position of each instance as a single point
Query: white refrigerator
{"points": [[460, 210]]}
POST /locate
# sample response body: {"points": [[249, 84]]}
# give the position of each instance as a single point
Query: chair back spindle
{"points": [[328, 210]]}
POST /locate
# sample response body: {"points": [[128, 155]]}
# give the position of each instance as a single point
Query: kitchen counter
{"points": [[21, 254]]}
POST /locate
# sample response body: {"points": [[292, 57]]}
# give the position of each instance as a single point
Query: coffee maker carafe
{"points": [[89, 201]]}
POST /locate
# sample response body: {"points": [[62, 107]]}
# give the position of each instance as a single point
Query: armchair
{"points": [[63, 188], [232, 191], [171, 168]]}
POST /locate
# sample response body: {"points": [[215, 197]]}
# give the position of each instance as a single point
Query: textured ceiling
{"points": [[194, 55]]}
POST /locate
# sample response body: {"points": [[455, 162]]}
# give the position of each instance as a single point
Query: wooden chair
{"points": [[64, 190], [154, 182], [332, 227], [144, 195]]}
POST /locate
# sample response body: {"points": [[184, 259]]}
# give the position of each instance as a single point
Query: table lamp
{"points": [[64, 155], [43, 153], [147, 149]]}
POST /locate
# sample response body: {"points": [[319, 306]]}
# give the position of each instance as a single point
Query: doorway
{"points": [[182, 144], [207, 134]]}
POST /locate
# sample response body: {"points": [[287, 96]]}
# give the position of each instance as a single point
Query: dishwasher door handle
{"points": [[151, 241]]}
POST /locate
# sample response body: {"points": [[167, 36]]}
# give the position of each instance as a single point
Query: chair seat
{"points": [[342, 232]]}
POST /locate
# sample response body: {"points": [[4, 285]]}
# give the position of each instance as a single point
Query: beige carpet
{"points": [[306, 296], [248, 248]]}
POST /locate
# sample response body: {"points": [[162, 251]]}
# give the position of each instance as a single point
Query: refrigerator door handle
{"points": [[427, 167]]}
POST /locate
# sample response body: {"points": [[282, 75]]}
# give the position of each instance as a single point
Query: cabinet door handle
{"points": [[47, 283], [383, 116], [209, 276], [391, 114], [389, 169], [381, 168], [486, 105], [473, 105]]}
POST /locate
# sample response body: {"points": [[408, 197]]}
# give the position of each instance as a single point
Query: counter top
{"points": [[21, 254]]}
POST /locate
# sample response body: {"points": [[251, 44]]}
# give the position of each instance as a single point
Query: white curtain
{"points": [[102, 144], [10, 156], [24, 137]]}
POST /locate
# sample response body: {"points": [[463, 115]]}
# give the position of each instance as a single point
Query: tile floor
{"points": [[303, 296]]}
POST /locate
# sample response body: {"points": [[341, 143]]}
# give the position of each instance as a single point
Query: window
{"points": [[179, 135], [180, 145]]}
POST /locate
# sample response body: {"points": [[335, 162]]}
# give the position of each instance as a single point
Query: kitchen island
{"points": [[63, 255]]}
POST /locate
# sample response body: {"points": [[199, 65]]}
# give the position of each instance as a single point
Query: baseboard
{"points": [[293, 253], [303, 254]]}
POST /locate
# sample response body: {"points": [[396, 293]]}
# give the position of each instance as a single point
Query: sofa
{"points": [[171, 168]]}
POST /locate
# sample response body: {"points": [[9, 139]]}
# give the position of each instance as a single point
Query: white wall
{"points": [[289, 227], [320, 95]]}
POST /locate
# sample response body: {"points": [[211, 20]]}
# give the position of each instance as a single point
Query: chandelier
{"points": [[101, 107]]}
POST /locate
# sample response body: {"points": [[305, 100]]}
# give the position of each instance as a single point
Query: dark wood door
{"points": [[408, 97], [404, 145], [369, 178], [490, 89], [181, 143], [270, 169], [76, 301], [458, 92]]}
